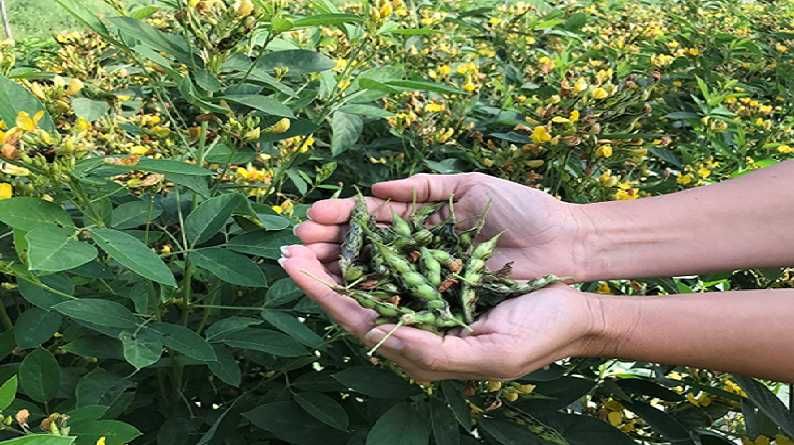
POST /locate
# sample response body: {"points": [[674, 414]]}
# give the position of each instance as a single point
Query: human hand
{"points": [[541, 233], [518, 336]]}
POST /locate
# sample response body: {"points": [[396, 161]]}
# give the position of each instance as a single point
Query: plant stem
{"points": [[4, 318]]}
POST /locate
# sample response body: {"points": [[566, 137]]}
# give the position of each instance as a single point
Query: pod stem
{"points": [[380, 343]]}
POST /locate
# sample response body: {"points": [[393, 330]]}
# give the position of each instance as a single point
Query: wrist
{"points": [[613, 321]]}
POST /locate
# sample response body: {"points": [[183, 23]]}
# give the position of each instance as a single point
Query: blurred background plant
{"points": [[156, 155]]}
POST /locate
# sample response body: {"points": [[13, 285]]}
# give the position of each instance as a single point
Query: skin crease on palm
{"points": [[659, 236]]}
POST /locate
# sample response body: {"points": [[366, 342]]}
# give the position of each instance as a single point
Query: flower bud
{"points": [[74, 87], [244, 8]]}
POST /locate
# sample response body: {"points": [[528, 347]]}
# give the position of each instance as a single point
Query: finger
{"points": [[334, 268], [309, 274], [325, 252], [311, 232], [473, 355], [391, 350], [422, 188], [337, 211]]}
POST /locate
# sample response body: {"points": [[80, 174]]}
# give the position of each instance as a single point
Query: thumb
{"points": [[422, 187]]}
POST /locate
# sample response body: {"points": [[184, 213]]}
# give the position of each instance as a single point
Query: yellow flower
{"points": [[445, 70], [252, 135], [74, 87], [615, 418], [540, 134], [599, 93], [560, 120], [467, 68], [733, 388], [574, 117], [139, 150], [702, 400], [82, 125], [285, 208], [526, 388], [684, 179], [603, 288], [785, 149], [604, 151], [434, 107], [470, 87], [661, 60], [704, 173], [580, 85], [511, 396], [493, 385], [38, 91], [101, 441], [6, 190], [27, 123], [783, 440], [244, 8], [626, 192], [280, 127], [341, 65]]}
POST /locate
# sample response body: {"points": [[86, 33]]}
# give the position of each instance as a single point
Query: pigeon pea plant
{"points": [[154, 163]]}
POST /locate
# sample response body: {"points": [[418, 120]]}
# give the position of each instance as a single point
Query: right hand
{"points": [[540, 232]]}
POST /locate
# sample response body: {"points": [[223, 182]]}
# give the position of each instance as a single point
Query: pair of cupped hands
{"points": [[518, 336]]}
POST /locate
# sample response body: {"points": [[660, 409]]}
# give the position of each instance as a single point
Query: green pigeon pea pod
{"points": [[414, 282], [472, 276], [422, 214], [511, 289], [354, 241], [431, 267], [400, 226]]}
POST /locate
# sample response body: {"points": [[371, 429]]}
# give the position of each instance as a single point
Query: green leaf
{"points": [[266, 105], [8, 392], [767, 403], [40, 439], [230, 267], [375, 382], [443, 423], [89, 109], [53, 249], [264, 340], [291, 326], [172, 44], [40, 375], [134, 214], [99, 312], [226, 367], [288, 422], [229, 325], [14, 99], [82, 12], [296, 60], [35, 326], [225, 154], [324, 409], [142, 348], [281, 292], [508, 433], [27, 214], [134, 255], [661, 421], [263, 243], [585, 430], [90, 412], [419, 85], [401, 425], [115, 432], [47, 291], [166, 166], [325, 20], [210, 216], [453, 394], [197, 184], [346, 129], [185, 341], [366, 110]]}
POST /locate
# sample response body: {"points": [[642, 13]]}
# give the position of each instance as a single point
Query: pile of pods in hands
{"points": [[431, 277]]}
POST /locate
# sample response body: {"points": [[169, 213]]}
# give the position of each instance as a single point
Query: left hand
{"points": [[518, 336]]}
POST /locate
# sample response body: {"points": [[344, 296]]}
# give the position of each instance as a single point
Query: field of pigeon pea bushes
{"points": [[155, 159]]}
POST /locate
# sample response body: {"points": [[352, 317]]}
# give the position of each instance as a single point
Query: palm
{"points": [[535, 226]]}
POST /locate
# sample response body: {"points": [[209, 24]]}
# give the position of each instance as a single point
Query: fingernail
{"points": [[281, 261], [284, 251], [376, 335], [295, 230]]}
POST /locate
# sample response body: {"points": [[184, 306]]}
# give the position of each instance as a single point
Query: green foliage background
{"points": [[159, 158]]}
